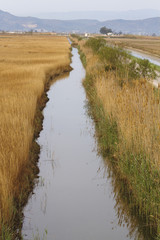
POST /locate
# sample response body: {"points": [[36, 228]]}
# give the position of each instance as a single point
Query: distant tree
{"points": [[105, 30]]}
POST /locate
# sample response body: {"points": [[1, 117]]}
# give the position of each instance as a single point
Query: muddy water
{"points": [[74, 198], [152, 59]]}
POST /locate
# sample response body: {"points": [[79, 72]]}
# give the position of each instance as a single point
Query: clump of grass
{"points": [[26, 64]]}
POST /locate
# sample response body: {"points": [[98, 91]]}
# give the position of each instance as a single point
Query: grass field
{"points": [[143, 43], [127, 114], [26, 63]]}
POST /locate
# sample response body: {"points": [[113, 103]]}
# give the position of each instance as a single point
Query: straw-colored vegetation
{"points": [[147, 44], [26, 63], [127, 114]]}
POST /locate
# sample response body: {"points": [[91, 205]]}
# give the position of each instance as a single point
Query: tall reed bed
{"points": [[26, 63], [127, 116]]}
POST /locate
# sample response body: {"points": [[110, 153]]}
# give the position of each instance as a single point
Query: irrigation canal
{"points": [[152, 59], [74, 198]]}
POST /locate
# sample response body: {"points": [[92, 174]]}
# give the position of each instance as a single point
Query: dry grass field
{"points": [[127, 118], [25, 64], [148, 44], [135, 107]]}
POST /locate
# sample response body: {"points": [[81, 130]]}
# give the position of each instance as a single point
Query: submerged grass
{"points": [[27, 64], [127, 122]]}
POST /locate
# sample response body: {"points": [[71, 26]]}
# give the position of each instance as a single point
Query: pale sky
{"points": [[38, 6]]}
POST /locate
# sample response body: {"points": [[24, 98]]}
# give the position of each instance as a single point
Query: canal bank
{"points": [[74, 197], [124, 128], [143, 55]]}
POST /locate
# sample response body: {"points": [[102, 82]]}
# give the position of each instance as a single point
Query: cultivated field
{"points": [[26, 62], [146, 44]]}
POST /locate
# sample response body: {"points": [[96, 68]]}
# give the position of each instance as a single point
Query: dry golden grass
{"points": [[135, 107], [150, 45], [136, 110], [128, 128], [25, 61]]}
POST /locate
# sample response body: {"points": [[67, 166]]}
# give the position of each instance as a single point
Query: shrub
{"points": [[118, 60], [145, 68], [96, 44]]}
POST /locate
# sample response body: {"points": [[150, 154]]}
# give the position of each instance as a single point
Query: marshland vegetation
{"points": [[126, 109], [27, 63]]}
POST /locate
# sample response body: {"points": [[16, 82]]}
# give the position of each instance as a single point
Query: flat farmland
{"points": [[146, 44]]}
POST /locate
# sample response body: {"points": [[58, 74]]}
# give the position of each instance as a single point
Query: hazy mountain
{"points": [[101, 15], [9, 22], [143, 27]]}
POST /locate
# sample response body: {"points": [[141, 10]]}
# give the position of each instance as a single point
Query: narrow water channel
{"points": [[74, 198], [152, 59]]}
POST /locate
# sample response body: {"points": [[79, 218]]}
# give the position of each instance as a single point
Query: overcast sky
{"points": [[38, 6]]}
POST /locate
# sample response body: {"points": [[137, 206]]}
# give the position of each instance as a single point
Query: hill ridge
{"points": [[10, 22]]}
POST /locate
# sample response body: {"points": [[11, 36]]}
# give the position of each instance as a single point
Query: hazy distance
{"points": [[72, 9], [100, 15]]}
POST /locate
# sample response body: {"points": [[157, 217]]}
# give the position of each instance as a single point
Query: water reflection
{"points": [[58, 78], [140, 227]]}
